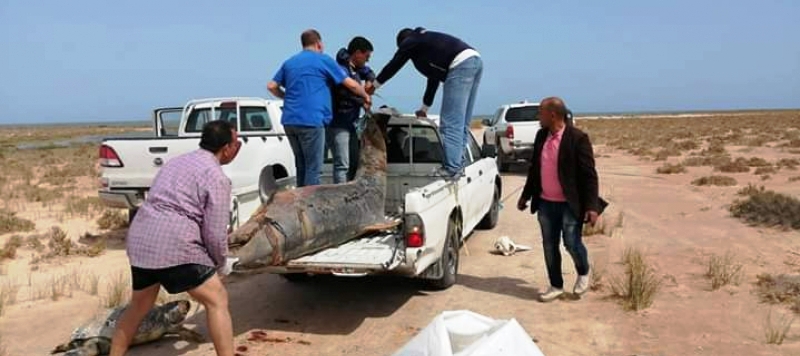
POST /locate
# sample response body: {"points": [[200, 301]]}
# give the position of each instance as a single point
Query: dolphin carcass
{"points": [[304, 220]]}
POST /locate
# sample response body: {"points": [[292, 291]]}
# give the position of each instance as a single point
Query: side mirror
{"points": [[488, 151], [486, 122]]}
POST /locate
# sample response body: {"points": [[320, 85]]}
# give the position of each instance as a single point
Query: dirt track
{"points": [[677, 225]]}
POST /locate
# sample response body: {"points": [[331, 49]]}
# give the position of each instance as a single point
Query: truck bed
{"points": [[375, 252]]}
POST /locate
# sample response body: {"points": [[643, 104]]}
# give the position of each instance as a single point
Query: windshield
{"points": [[522, 113]]}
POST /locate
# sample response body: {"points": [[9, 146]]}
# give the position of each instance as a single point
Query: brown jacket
{"points": [[576, 172]]}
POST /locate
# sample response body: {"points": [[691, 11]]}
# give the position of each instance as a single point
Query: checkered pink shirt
{"points": [[184, 218]]}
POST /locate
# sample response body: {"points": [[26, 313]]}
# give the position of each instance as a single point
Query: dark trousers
{"points": [[557, 219], [308, 145]]}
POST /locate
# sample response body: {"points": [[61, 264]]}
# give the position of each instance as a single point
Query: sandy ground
{"points": [[677, 224]]}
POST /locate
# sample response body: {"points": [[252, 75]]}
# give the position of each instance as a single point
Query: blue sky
{"points": [[65, 61]]}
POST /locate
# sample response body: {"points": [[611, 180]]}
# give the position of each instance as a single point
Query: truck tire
{"points": [[502, 161], [489, 220], [448, 261]]}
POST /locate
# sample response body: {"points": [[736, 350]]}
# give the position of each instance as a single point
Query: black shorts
{"points": [[175, 279]]}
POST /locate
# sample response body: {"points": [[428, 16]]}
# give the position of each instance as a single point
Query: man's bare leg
{"points": [[214, 297], [141, 303]]}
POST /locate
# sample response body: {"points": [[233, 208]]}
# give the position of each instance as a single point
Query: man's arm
{"points": [[527, 191], [588, 173], [399, 59], [430, 93], [357, 89], [275, 89], [274, 86], [215, 218]]}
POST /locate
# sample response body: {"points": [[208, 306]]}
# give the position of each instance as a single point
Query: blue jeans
{"points": [[343, 144], [555, 219], [308, 145], [458, 99]]}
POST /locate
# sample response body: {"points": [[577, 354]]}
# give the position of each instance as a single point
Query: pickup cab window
{"points": [[254, 118], [426, 145], [199, 117], [522, 113]]}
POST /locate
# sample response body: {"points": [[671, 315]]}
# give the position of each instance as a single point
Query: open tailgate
{"points": [[380, 251]]}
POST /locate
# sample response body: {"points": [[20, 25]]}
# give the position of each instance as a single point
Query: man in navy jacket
{"points": [[342, 133], [441, 58]]}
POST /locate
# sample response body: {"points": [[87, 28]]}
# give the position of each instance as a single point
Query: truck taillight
{"points": [[108, 157], [414, 231], [510, 132]]}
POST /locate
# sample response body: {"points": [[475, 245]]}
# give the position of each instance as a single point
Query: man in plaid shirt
{"points": [[178, 239]]}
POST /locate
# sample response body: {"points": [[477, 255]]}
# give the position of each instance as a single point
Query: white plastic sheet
{"points": [[465, 333]]}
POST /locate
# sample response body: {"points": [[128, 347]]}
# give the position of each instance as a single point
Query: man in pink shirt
{"points": [[562, 187], [179, 239]]}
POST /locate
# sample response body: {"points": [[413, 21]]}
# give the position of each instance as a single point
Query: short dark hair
{"points": [[359, 43], [216, 134], [310, 37], [402, 34]]}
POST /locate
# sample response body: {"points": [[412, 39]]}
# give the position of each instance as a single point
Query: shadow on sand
{"points": [[323, 305]]}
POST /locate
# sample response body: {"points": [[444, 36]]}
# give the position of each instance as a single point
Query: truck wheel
{"points": [[502, 161], [448, 261], [489, 220]]}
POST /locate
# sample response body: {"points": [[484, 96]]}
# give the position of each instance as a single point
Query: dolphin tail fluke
{"points": [[381, 226]]}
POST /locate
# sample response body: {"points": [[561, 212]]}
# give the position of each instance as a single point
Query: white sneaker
{"points": [[551, 294], [581, 285]]}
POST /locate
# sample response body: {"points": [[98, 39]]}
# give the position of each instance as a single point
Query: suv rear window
{"points": [[522, 113]]}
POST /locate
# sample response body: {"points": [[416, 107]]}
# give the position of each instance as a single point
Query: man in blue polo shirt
{"points": [[307, 78], [441, 58]]}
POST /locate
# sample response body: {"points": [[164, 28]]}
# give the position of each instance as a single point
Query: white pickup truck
{"points": [[265, 161], [436, 215]]}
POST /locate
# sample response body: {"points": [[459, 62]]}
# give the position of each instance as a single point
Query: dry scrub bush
{"points": [[788, 163], [9, 222], [638, 286], [724, 270], [669, 168], [775, 331], [8, 294], [781, 289], [112, 219], [9, 250], [765, 170], [602, 227], [598, 273], [737, 166], [766, 208], [722, 181], [711, 161], [116, 291], [794, 179]]}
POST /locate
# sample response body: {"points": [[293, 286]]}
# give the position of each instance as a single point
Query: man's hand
{"points": [[367, 103], [591, 217], [369, 88], [421, 113], [522, 204]]}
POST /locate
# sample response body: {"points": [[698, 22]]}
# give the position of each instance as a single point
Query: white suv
{"points": [[512, 131]]}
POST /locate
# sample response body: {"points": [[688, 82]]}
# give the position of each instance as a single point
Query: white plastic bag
{"points": [[465, 333]]}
